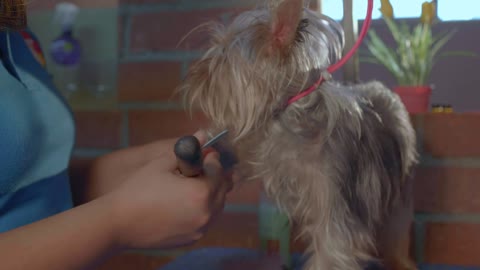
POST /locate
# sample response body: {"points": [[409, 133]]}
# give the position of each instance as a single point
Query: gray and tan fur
{"points": [[337, 161]]}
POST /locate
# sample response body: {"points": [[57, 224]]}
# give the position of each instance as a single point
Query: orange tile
{"points": [[147, 126], [452, 135], [452, 244], [99, 129], [447, 190], [148, 81]]}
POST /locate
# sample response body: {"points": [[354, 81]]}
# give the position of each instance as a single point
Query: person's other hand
{"points": [[156, 207]]}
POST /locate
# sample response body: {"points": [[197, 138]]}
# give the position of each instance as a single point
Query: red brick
{"points": [[149, 126], [297, 245], [452, 244], [50, 4], [245, 193], [148, 81], [165, 30], [452, 135], [447, 190], [96, 129], [134, 261], [416, 120], [413, 246]]}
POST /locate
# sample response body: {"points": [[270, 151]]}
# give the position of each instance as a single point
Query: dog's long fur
{"points": [[337, 161]]}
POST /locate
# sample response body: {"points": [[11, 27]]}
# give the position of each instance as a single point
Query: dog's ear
{"points": [[286, 17]]}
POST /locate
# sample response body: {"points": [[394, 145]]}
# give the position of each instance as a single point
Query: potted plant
{"points": [[413, 58]]}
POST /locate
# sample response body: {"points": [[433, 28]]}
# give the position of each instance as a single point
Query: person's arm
{"points": [[75, 239], [105, 173], [154, 207]]}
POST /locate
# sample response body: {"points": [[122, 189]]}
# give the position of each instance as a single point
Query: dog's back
{"points": [[339, 162]]}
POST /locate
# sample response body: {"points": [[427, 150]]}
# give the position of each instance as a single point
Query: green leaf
{"points": [[384, 55], [396, 32], [440, 43], [415, 53], [371, 60]]}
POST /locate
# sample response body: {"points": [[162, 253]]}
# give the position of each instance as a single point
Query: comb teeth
{"points": [[215, 139], [13, 14]]}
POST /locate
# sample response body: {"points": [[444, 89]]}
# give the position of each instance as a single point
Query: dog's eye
{"points": [[303, 24], [301, 30]]}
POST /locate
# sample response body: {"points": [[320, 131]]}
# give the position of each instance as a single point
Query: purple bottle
{"points": [[66, 49]]}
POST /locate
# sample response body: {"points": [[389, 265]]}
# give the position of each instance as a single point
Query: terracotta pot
{"points": [[415, 98]]}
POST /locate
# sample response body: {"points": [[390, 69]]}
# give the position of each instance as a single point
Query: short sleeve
{"points": [[17, 131]]}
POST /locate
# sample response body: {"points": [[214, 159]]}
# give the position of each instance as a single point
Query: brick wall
{"points": [[447, 190], [447, 226]]}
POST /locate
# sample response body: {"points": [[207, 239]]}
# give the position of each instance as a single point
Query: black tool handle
{"points": [[189, 156], [228, 159]]}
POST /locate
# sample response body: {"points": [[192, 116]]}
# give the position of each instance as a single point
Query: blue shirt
{"points": [[36, 138]]}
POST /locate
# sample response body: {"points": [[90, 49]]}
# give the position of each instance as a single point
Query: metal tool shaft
{"points": [[215, 139]]}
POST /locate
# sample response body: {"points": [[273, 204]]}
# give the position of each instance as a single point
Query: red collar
{"points": [[339, 64]]}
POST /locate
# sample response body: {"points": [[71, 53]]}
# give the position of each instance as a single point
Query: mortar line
{"points": [[429, 161], [419, 241], [150, 106], [419, 123], [185, 65], [473, 218], [153, 56], [127, 29]]}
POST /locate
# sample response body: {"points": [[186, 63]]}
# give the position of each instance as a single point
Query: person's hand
{"points": [[156, 207]]}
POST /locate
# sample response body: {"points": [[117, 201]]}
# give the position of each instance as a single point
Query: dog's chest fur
{"points": [[348, 143]]}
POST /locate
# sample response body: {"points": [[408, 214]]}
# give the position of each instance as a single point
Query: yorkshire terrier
{"points": [[338, 161]]}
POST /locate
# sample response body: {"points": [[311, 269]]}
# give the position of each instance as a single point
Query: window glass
{"points": [[457, 10], [402, 8]]}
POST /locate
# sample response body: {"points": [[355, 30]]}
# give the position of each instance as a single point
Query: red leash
{"points": [[339, 64]]}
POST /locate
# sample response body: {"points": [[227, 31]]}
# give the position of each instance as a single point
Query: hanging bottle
{"points": [[65, 49]]}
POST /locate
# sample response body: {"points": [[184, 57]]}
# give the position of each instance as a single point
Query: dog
{"points": [[339, 161]]}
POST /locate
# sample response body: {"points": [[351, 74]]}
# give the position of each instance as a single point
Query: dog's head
{"points": [[255, 64]]}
